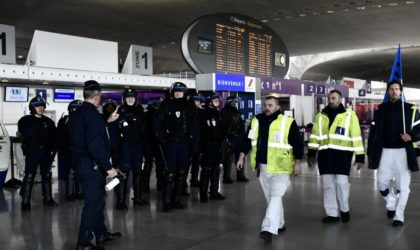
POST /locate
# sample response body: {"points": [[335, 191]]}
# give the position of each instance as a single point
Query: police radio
{"points": [[115, 181]]}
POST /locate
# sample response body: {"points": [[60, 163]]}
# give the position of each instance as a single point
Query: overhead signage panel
{"points": [[139, 61], [7, 44], [224, 82], [234, 44]]}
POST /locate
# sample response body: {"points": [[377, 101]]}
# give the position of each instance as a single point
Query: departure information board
{"points": [[235, 44]]}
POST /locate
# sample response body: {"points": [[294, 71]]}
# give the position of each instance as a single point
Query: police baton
{"points": [[163, 156]]}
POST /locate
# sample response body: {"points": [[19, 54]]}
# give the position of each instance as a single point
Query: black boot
{"points": [[168, 188], [146, 172], [195, 168], [204, 184], [70, 185], [25, 191], [179, 188], [226, 173], [240, 175], [47, 190], [121, 193], [137, 187], [78, 189], [214, 184]]}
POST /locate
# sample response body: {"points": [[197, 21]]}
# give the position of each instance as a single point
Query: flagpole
{"points": [[402, 105]]}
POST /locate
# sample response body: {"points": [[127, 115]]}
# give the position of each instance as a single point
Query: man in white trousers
{"points": [[391, 150], [276, 150], [336, 136]]}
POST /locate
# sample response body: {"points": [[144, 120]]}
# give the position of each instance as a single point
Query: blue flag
{"points": [[396, 72]]}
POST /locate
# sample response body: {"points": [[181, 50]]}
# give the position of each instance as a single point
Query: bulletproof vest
{"points": [[176, 122], [211, 122], [130, 124], [39, 128]]}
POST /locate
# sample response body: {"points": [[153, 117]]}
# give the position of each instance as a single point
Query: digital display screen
{"points": [[16, 94], [64, 95], [205, 46], [234, 44]]}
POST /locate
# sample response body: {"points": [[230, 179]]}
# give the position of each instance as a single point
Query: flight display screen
{"points": [[234, 44]]}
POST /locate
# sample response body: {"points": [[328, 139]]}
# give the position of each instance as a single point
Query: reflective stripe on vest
{"points": [[342, 135]]}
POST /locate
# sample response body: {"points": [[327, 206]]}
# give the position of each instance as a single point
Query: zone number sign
{"points": [[7, 44]]}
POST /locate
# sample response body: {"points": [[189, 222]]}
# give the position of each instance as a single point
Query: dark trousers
{"points": [[231, 148], [176, 156], [93, 220], [33, 159], [131, 157]]}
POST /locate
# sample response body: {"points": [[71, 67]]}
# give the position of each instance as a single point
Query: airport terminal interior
{"points": [[296, 51]]}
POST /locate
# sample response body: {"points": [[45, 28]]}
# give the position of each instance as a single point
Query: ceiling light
{"points": [[45, 83], [172, 43], [330, 11], [302, 15], [377, 6], [316, 13], [20, 57], [409, 2], [393, 4], [276, 18], [345, 10], [288, 17], [264, 21], [4, 80], [361, 8]]}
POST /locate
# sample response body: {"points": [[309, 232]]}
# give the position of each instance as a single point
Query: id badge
{"points": [[277, 136], [340, 131]]}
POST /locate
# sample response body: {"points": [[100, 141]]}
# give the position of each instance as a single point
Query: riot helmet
{"points": [[154, 102], [36, 102], [178, 87], [129, 93], [212, 97], [109, 106], [232, 101], [74, 105]]}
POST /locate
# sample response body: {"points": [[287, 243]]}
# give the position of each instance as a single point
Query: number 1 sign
{"points": [[7, 44]]}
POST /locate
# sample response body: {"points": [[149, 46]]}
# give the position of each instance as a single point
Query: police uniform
{"points": [[177, 132], [39, 135], [210, 143], [196, 157], [233, 129], [152, 151], [336, 136], [73, 187], [131, 125], [90, 149]]}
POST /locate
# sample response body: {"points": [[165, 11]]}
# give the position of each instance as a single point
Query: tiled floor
{"points": [[230, 224]]}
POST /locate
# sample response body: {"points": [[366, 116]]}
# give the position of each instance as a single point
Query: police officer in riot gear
{"points": [[39, 135], [233, 129], [210, 140], [195, 159], [73, 186], [177, 132], [131, 126], [152, 151], [91, 152]]}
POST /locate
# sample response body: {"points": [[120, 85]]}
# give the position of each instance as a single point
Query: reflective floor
{"points": [[230, 224]]}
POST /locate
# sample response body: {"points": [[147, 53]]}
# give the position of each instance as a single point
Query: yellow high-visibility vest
{"points": [[280, 158], [344, 133]]}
